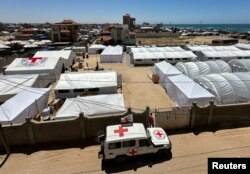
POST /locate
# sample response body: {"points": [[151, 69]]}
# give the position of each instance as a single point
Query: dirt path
{"points": [[190, 153]]}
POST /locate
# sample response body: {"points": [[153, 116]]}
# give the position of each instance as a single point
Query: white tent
{"points": [[224, 55], [111, 54], [164, 70], [92, 106], [30, 46], [99, 82], [171, 57], [240, 65], [156, 49], [228, 88], [68, 56], [194, 69], [242, 46], [93, 49], [10, 85], [27, 103], [49, 69], [184, 91], [197, 48]]}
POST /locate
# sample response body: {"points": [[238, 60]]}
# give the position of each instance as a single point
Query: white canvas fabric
{"points": [[94, 48], [92, 106], [197, 48], [163, 55], [225, 55], [68, 56], [184, 91], [228, 88], [163, 70], [49, 68], [195, 69], [240, 65], [112, 54], [156, 49], [243, 46], [10, 85], [27, 103], [86, 80]]}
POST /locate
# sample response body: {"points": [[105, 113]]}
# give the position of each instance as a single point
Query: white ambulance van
{"points": [[120, 142]]}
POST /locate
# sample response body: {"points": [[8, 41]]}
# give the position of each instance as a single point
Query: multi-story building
{"points": [[127, 20], [65, 31], [122, 35]]}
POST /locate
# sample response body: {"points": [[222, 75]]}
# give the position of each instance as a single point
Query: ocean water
{"points": [[243, 28]]}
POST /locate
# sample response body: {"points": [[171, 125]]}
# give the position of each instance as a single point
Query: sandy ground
{"points": [[190, 153], [138, 89], [182, 40]]}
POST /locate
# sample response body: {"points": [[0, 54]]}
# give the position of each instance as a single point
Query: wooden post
{"points": [[82, 126], [3, 140], [30, 131], [193, 115], [147, 116], [211, 110]]}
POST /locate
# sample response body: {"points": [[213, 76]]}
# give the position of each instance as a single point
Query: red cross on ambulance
{"points": [[121, 131]]}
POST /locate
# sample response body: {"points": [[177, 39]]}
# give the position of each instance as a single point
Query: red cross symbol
{"points": [[34, 59], [158, 134], [133, 152], [121, 131]]}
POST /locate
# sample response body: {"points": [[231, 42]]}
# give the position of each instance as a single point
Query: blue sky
{"points": [[152, 11]]}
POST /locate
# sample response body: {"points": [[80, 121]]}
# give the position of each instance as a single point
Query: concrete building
{"points": [[65, 31], [122, 35], [128, 20]]}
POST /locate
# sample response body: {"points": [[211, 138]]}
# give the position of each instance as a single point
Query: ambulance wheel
{"points": [[163, 153], [121, 158]]}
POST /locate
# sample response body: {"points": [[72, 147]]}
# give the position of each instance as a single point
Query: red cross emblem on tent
{"points": [[159, 134], [121, 131], [34, 59], [133, 152]]}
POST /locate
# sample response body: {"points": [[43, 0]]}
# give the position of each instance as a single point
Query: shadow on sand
{"points": [[133, 163]]}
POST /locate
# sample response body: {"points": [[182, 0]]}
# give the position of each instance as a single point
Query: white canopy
{"points": [[95, 79], [184, 91], [3, 46], [111, 54], [243, 46], [156, 49], [74, 84], [30, 46], [27, 103], [240, 65], [211, 48], [92, 106], [10, 85], [94, 48], [49, 68], [163, 70], [194, 69], [228, 88], [68, 56], [164, 55]]}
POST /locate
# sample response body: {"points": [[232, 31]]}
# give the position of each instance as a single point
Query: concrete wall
{"points": [[80, 128], [156, 35]]}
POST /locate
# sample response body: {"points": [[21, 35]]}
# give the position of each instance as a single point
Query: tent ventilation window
{"points": [[63, 91], [94, 90], [79, 90]]}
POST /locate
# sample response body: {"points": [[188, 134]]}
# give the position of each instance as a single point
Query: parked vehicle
{"points": [[120, 142]]}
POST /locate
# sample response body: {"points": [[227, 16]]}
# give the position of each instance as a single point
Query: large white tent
{"points": [[111, 54], [194, 69], [184, 91], [163, 70], [143, 58], [98, 82], [228, 88], [49, 69], [10, 85], [156, 49], [243, 46], [240, 65], [198, 48], [92, 106], [93, 49], [68, 56], [224, 55], [25, 104]]}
